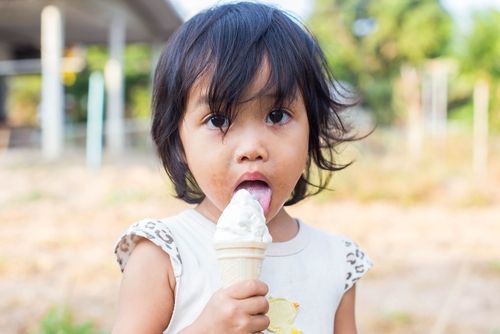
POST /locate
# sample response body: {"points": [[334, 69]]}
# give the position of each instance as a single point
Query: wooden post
{"points": [[411, 96], [480, 146]]}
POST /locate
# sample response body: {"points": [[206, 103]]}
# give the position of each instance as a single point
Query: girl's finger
{"points": [[247, 288], [258, 323], [255, 305]]}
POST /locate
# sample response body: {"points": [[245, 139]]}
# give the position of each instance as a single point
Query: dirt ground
{"points": [[437, 266]]}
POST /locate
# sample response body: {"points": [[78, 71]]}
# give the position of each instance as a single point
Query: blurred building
{"points": [[35, 34]]}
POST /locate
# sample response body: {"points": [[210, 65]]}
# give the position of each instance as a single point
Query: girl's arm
{"points": [[146, 297], [345, 322]]}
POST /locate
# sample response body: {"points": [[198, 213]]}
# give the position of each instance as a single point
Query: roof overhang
{"points": [[87, 21]]}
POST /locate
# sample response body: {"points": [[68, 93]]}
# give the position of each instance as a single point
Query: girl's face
{"points": [[264, 148]]}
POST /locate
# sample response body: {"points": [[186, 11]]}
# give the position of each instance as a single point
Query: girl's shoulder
{"points": [[158, 231], [170, 234], [357, 262]]}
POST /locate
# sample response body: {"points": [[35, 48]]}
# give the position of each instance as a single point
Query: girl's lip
{"points": [[251, 176], [261, 192]]}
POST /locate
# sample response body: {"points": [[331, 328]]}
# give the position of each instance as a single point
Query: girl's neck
{"points": [[283, 227]]}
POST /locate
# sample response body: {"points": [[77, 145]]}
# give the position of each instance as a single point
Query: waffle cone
{"points": [[239, 260]]}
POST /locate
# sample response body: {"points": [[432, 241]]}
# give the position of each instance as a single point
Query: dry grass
{"points": [[425, 224]]}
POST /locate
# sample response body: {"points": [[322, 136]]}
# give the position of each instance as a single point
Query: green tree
{"points": [[137, 72], [479, 55], [367, 41]]}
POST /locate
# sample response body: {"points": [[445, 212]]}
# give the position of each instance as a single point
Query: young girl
{"points": [[242, 99]]}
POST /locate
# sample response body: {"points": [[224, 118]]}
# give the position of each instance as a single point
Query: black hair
{"points": [[229, 44]]}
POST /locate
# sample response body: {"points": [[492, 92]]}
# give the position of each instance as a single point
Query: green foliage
{"points": [[494, 266], [480, 51], [24, 100], [137, 60], [137, 68], [399, 317], [24, 91], [96, 58], [367, 41], [495, 106], [76, 102], [140, 101], [416, 30], [60, 320], [138, 80], [463, 116]]}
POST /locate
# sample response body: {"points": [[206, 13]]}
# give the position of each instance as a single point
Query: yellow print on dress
{"points": [[282, 313]]}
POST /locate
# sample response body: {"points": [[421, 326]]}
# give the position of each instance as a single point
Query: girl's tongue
{"points": [[260, 191]]}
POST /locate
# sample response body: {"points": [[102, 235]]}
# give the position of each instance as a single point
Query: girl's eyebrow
{"points": [[203, 99]]}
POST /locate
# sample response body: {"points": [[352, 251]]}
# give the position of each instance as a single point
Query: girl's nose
{"points": [[251, 148]]}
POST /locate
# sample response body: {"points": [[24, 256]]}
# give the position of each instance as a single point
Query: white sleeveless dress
{"points": [[307, 275]]}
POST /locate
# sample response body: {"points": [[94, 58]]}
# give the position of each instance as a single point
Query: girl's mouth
{"points": [[260, 190]]}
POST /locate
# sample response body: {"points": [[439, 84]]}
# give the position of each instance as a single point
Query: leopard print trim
{"points": [[156, 232], [357, 263]]}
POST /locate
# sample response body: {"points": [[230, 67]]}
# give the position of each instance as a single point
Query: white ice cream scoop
{"points": [[242, 220]]}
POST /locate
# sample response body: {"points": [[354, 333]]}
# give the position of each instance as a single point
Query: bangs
{"points": [[235, 47]]}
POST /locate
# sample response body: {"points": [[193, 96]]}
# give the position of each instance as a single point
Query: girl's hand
{"points": [[237, 309]]}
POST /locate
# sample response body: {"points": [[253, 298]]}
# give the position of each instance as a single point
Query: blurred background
{"points": [[423, 197]]}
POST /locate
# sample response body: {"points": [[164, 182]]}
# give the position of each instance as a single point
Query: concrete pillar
{"points": [[94, 120], [52, 101], [114, 80]]}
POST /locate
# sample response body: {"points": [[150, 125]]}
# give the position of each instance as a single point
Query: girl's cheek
{"points": [[218, 185]]}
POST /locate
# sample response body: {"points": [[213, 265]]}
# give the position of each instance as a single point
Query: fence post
{"points": [[480, 155], [95, 106]]}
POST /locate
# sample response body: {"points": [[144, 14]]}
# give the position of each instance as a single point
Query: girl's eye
{"points": [[278, 116], [217, 122]]}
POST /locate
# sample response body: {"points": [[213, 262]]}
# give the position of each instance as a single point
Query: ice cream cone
{"points": [[239, 260]]}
